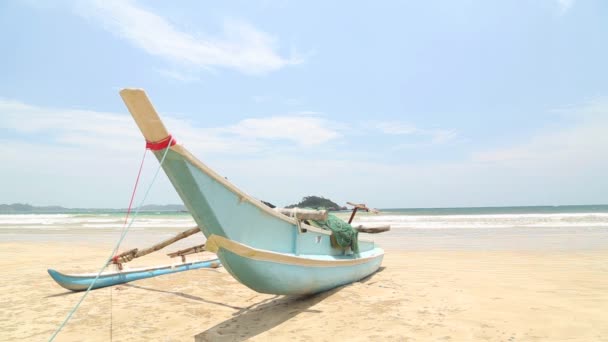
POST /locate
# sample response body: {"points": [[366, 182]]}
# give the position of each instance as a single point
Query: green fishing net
{"points": [[343, 234]]}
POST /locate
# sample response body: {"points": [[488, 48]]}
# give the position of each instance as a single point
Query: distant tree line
{"points": [[28, 208], [21, 208], [317, 202]]}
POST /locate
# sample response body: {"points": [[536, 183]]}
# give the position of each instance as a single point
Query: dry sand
{"points": [[416, 296]]}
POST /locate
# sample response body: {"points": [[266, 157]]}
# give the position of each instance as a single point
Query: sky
{"points": [[390, 103]]}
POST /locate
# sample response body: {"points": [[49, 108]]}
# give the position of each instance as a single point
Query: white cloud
{"points": [[86, 158], [564, 164], [180, 75], [564, 5], [579, 143], [67, 126], [423, 136], [396, 128], [302, 130], [241, 46], [103, 130]]}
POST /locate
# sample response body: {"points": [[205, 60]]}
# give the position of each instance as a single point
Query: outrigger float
{"points": [[262, 248], [81, 282], [121, 275]]}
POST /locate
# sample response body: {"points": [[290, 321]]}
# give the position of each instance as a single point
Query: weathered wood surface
{"points": [[304, 214], [358, 205], [363, 207], [145, 115], [187, 251], [167, 242], [372, 229], [136, 253], [124, 256]]}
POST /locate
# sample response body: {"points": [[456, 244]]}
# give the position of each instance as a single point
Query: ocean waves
{"points": [[488, 221], [147, 221], [93, 221]]}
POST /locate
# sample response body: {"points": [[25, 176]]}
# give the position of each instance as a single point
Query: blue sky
{"points": [[397, 104]]}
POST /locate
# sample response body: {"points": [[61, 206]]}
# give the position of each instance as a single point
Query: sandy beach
{"points": [[418, 295], [470, 135]]}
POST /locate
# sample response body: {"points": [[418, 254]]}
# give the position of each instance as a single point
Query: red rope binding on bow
{"points": [[161, 144]]}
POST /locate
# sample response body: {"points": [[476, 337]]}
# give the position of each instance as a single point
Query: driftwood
{"points": [[304, 214], [372, 229], [135, 253]]}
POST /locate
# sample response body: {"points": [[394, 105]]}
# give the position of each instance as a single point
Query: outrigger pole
{"points": [[135, 253]]}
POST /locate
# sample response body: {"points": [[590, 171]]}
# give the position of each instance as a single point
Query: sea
{"points": [[573, 227]]}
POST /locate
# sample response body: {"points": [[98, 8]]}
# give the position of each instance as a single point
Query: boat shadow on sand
{"points": [[61, 294], [267, 314], [262, 316], [183, 295]]}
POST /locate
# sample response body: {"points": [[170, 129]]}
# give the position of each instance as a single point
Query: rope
{"points": [[124, 233], [111, 316], [141, 166], [296, 244], [161, 144]]}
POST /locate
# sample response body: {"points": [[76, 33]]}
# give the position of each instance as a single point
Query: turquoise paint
{"points": [[296, 238], [81, 283], [288, 279], [220, 211]]}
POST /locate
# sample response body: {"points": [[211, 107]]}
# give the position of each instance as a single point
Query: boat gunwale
{"points": [[182, 151], [216, 242]]}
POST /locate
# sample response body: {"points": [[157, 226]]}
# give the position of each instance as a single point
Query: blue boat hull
{"points": [[288, 274], [82, 282]]}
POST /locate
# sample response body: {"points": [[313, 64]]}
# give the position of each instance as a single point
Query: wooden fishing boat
{"points": [[262, 248], [81, 282]]}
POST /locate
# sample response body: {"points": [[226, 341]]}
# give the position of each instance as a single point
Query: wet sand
{"points": [[418, 295]]}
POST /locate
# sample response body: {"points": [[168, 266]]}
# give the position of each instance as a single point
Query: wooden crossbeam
{"points": [[134, 253], [187, 251]]}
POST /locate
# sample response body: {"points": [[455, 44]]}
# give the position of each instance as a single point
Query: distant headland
{"points": [[316, 202], [21, 208]]}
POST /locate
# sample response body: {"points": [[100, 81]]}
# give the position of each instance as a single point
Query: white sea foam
{"points": [[487, 221], [153, 224], [104, 221], [91, 221]]}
